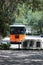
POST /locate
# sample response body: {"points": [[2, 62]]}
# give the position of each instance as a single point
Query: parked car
{"points": [[41, 35], [5, 40]]}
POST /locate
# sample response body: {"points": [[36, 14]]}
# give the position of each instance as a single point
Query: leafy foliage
{"points": [[29, 12], [5, 46]]}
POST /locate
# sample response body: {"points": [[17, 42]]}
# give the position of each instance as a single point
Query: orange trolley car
{"points": [[17, 33]]}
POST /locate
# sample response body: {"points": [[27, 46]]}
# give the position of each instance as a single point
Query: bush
{"points": [[5, 46]]}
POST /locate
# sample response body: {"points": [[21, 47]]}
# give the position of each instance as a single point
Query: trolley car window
{"points": [[17, 30]]}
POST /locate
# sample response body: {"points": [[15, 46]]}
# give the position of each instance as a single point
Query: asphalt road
{"points": [[21, 57]]}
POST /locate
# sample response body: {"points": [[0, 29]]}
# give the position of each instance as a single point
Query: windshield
{"points": [[17, 30]]}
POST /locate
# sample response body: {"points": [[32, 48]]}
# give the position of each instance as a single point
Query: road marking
{"points": [[37, 60], [4, 56]]}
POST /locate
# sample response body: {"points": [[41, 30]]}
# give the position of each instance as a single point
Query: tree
{"points": [[37, 21], [6, 16], [18, 11]]}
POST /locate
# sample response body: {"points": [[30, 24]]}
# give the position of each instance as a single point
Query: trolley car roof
{"points": [[17, 25]]}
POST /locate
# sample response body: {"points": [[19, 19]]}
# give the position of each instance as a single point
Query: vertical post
{"points": [[18, 46]]}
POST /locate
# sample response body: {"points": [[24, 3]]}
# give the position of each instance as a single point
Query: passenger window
{"points": [[25, 43], [38, 44], [31, 43]]}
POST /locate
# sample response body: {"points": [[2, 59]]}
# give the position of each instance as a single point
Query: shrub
{"points": [[5, 46]]}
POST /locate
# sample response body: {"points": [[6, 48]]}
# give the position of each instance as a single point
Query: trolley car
{"points": [[17, 33]]}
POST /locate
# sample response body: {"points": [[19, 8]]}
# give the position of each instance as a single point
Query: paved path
{"points": [[21, 57]]}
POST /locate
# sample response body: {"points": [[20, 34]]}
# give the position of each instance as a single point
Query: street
{"points": [[21, 57]]}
